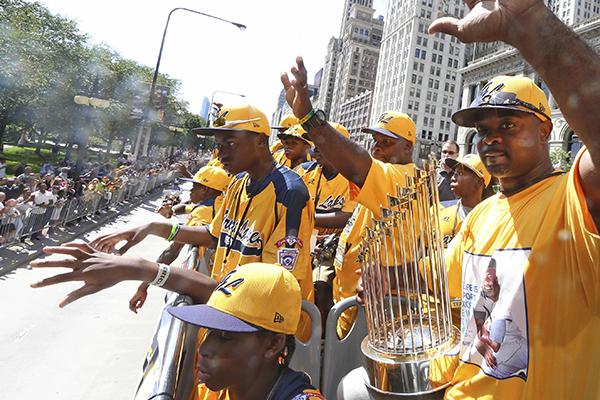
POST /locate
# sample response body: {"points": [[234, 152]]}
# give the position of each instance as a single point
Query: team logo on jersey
{"points": [[287, 258], [331, 203]]}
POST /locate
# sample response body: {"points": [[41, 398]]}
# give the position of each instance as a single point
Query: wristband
{"points": [[306, 117], [162, 275], [174, 230]]}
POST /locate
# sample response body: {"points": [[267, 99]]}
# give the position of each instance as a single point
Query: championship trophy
{"points": [[406, 293]]}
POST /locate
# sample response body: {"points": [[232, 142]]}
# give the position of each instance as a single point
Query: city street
{"points": [[92, 349]]}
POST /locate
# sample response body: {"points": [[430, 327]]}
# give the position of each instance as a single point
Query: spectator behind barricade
{"points": [[42, 199], [26, 177], [209, 183], [59, 203], [46, 168], [2, 198], [444, 174], [13, 222]]}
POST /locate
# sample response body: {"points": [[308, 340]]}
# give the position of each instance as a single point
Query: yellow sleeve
{"points": [[382, 180], [189, 208], [202, 215], [215, 225], [349, 206]]}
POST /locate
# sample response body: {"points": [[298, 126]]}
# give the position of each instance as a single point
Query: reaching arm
{"points": [[194, 235], [572, 75], [351, 160], [100, 271]]}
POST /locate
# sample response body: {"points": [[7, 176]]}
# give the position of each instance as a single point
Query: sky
{"points": [[210, 56]]}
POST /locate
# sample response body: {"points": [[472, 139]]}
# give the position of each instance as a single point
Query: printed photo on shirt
{"points": [[494, 313]]}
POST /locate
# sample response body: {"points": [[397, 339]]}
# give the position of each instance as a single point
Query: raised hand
{"points": [[296, 90], [488, 20], [107, 243], [97, 270]]}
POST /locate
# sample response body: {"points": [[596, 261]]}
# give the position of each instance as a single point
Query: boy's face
{"points": [[464, 182], [239, 151], [199, 193], [229, 359], [294, 148]]}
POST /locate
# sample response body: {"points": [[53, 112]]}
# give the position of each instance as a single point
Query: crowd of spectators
{"points": [[33, 204]]}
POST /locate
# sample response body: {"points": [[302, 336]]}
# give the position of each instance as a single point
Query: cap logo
{"points": [[225, 285], [278, 318], [487, 92], [385, 118]]}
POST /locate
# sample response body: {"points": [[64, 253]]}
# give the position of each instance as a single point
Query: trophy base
{"points": [[405, 376]]}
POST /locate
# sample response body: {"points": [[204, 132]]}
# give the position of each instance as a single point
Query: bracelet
{"points": [[162, 275], [174, 230], [307, 117]]}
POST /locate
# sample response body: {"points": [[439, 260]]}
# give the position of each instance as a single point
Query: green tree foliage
{"points": [[46, 61]]}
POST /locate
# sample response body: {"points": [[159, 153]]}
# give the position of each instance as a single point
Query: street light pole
{"points": [[212, 99], [144, 125]]}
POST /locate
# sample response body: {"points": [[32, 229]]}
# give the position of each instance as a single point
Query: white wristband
{"points": [[162, 275]]}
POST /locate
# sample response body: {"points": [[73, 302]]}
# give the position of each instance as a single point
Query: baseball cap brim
{"points": [[451, 163], [468, 117], [208, 317], [219, 131], [381, 131], [301, 137]]}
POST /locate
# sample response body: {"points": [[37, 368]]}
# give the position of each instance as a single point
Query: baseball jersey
{"points": [[329, 194], [382, 180], [254, 221], [202, 214], [536, 254], [291, 385]]}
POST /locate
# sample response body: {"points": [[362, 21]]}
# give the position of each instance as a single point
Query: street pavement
{"points": [[93, 348]]}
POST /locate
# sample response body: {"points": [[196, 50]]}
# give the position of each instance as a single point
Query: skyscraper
{"points": [[359, 53], [417, 72], [328, 76]]}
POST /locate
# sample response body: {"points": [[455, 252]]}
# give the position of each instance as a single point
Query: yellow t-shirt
{"points": [[279, 208], [382, 180], [331, 194], [530, 269], [450, 222]]}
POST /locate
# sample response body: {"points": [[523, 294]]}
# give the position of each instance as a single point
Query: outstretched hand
{"points": [[107, 243], [296, 90], [97, 270], [488, 20]]}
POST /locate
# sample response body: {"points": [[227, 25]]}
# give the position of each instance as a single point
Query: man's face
{"points": [[448, 151], [43, 187], [226, 358], [238, 151], [512, 145], [464, 182], [390, 150], [2, 196], [294, 148]]}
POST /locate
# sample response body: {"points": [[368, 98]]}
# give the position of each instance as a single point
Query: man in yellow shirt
{"points": [[209, 183]]}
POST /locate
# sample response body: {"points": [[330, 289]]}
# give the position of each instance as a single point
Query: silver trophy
{"points": [[406, 293]]}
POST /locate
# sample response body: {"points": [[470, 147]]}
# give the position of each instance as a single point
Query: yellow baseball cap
{"points": [[238, 118], [395, 125], [296, 131], [212, 177], [509, 93], [252, 297], [287, 122], [473, 163]]}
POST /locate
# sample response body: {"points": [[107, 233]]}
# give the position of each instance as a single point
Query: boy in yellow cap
{"points": [[266, 214], [251, 316], [276, 148], [468, 182], [295, 147], [209, 184]]}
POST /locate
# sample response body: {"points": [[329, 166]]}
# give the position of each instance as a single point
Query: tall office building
{"points": [[328, 76], [359, 53], [418, 73], [572, 12], [348, 8]]}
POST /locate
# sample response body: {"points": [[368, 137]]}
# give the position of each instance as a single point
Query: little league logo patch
{"points": [[287, 258]]}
